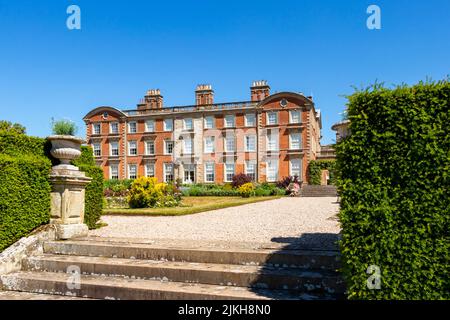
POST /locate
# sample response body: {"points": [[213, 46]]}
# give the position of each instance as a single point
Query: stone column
{"points": [[67, 202]]}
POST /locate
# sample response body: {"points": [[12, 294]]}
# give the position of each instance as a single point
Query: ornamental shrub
{"points": [[64, 127], [315, 168], [148, 193], [24, 186], [93, 203], [240, 179], [247, 190], [393, 178]]}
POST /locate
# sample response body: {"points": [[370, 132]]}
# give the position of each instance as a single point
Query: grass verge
{"points": [[191, 205]]}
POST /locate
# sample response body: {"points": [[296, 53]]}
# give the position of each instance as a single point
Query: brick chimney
{"points": [[152, 100], [204, 95], [259, 90]]}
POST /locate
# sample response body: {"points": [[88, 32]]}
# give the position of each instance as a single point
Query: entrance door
{"points": [[189, 173]]}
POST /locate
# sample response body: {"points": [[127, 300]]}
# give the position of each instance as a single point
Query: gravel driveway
{"points": [[299, 222]]}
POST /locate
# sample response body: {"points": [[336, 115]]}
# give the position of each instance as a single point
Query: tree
{"points": [[12, 127]]}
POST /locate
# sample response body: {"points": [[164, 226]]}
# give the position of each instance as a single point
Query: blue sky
{"points": [[317, 47]]}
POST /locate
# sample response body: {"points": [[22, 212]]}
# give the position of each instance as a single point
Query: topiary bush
{"points": [[393, 178], [24, 186], [93, 203], [315, 168]]}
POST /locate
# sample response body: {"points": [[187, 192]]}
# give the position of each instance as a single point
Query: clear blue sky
{"points": [[126, 47]]}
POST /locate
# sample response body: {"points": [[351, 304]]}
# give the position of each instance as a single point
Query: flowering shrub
{"points": [[148, 193], [246, 190], [240, 179]]}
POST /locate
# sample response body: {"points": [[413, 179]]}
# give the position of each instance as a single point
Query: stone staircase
{"points": [[147, 271], [318, 191]]}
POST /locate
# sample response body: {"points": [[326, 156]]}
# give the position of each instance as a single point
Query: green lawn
{"points": [[191, 205]]}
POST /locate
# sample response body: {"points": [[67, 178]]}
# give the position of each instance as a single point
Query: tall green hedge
{"points": [[394, 186], [315, 168], [94, 190], [24, 186]]}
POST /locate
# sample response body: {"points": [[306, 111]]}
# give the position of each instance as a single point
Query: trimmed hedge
{"points": [[394, 187], [94, 191], [15, 144], [24, 186], [315, 168]]}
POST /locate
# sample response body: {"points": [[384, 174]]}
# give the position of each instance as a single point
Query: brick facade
{"points": [[270, 136]]}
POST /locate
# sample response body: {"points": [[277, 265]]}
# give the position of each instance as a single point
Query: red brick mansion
{"points": [[268, 137]]}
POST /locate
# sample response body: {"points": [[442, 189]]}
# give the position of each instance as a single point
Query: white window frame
{"points": [[226, 173], [212, 150], [129, 148], [166, 173], [99, 149], [276, 137], [291, 119], [247, 163], [247, 124], [111, 176], [212, 122], [276, 117], [185, 124], [94, 126], [166, 122], [247, 149], [116, 143], [129, 171], [150, 126], [225, 119], [165, 147], [225, 143], [291, 172], [111, 131], [135, 127], [147, 144], [185, 148], [291, 140], [276, 172], [147, 171], [212, 172]]}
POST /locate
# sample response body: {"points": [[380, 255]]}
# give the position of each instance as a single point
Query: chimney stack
{"points": [[152, 100], [204, 95], [259, 90]]}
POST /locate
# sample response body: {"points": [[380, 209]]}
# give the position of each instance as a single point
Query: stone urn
{"points": [[65, 148]]}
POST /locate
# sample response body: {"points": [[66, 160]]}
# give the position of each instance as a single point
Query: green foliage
{"points": [[25, 195], [64, 127], [15, 144], [94, 191], [246, 190], [12, 127], [393, 181], [315, 168], [227, 190], [148, 193], [117, 188]]}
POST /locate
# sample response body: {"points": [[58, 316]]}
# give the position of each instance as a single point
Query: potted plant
{"points": [[65, 146]]}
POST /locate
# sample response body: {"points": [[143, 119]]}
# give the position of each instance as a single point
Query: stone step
{"points": [[102, 287], [17, 295], [206, 273], [311, 259]]}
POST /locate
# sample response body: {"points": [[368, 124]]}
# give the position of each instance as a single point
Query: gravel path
{"points": [[304, 222]]}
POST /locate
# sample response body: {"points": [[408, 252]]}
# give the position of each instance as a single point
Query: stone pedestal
{"points": [[67, 207]]}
